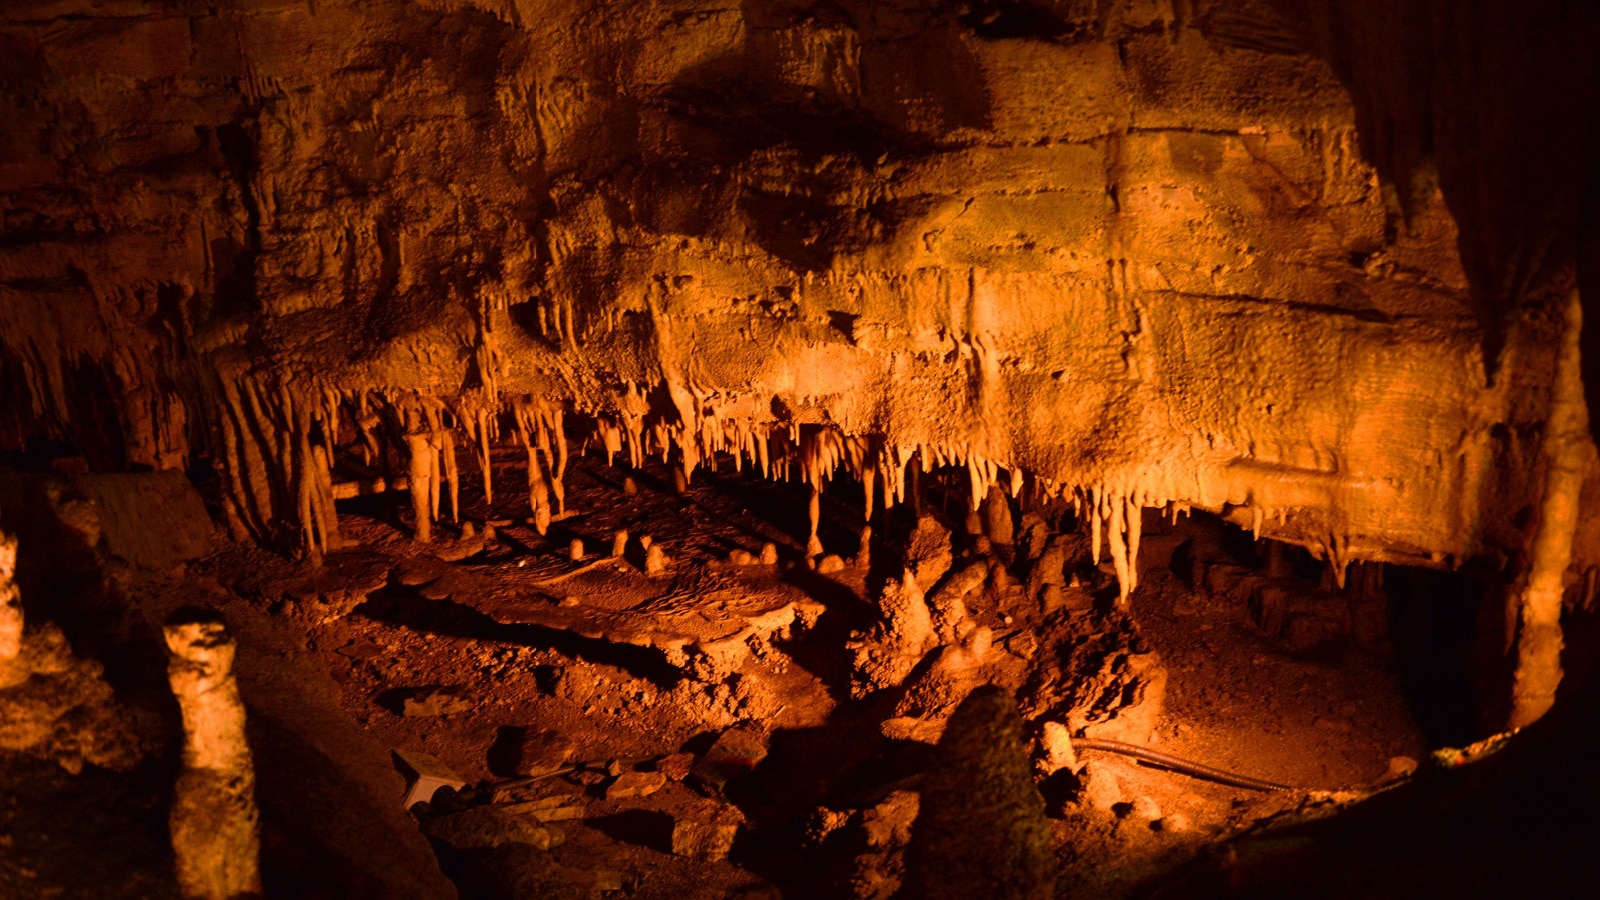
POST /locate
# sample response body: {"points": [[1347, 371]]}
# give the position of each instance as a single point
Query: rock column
{"points": [[12, 671], [214, 821], [1567, 457], [420, 483]]}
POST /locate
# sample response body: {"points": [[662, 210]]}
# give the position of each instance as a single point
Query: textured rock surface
{"points": [[981, 829], [1131, 248]]}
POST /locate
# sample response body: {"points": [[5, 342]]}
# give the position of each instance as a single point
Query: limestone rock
{"points": [[1055, 744], [676, 766], [928, 554], [706, 831], [888, 823], [556, 808], [635, 784], [536, 751], [436, 701], [735, 753], [981, 831], [1146, 808], [997, 525], [1099, 788], [885, 655]]}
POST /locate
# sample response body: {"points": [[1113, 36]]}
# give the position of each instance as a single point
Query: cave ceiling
{"points": [[1144, 252]]}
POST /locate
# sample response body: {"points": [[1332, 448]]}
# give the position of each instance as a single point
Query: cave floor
{"points": [[513, 633]]}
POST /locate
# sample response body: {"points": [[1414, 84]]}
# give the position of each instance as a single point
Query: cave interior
{"points": [[789, 448]]}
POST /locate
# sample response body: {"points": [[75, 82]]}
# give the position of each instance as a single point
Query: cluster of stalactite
{"points": [[280, 446]]}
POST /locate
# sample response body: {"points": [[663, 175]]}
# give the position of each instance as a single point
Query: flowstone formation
{"points": [[1131, 256]]}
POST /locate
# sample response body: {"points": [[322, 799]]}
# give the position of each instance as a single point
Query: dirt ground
{"points": [[494, 638]]}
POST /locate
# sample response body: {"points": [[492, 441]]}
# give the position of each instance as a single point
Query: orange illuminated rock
{"points": [[214, 820]]}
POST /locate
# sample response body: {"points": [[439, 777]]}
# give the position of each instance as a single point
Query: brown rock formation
{"points": [[1137, 254]]}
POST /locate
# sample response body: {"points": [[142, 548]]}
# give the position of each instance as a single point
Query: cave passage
{"points": [[874, 449]]}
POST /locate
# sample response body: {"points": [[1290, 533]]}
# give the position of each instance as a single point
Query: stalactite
{"points": [[327, 514], [914, 482], [485, 437], [1135, 523], [305, 487], [530, 432], [1115, 528], [430, 424], [236, 495], [558, 439], [253, 484], [814, 516], [610, 439], [452, 471], [869, 485], [367, 425], [1095, 519]]}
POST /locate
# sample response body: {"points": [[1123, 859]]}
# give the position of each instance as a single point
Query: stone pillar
{"points": [[1567, 455], [12, 672], [214, 821], [420, 483]]}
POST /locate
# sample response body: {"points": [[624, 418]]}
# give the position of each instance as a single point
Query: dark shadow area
{"points": [[1517, 824], [120, 851], [842, 764], [1434, 623], [502, 755], [644, 827], [447, 618], [298, 857]]}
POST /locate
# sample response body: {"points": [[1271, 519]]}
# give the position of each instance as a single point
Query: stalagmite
{"points": [[619, 544], [1567, 458], [997, 517], [655, 561], [419, 479], [575, 550], [214, 821], [11, 670]]}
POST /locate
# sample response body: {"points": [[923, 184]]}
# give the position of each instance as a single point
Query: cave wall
{"points": [[1134, 249]]}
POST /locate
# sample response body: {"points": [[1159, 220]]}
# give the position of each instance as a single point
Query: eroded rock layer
{"points": [[1130, 250]]}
